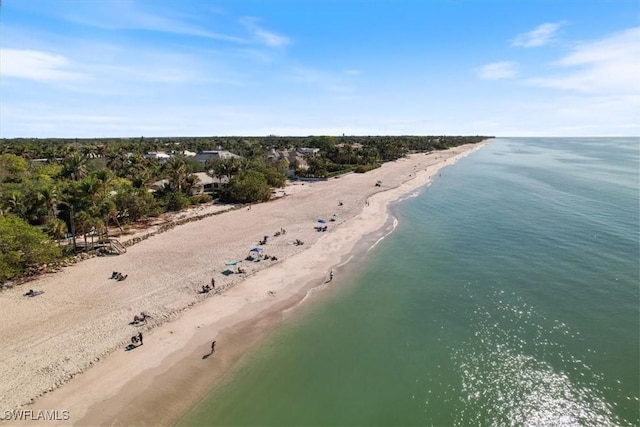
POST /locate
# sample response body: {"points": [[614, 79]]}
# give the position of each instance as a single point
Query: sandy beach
{"points": [[64, 350]]}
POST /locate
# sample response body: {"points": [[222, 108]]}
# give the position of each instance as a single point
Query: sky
{"points": [[131, 68]]}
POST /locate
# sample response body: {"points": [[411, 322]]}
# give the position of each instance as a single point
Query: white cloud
{"points": [[126, 15], [609, 65], [497, 70], [36, 65], [540, 36], [269, 38], [263, 36]]}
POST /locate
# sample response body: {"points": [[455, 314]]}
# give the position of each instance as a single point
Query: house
{"points": [[354, 145], [204, 184], [158, 185], [289, 156], [203, 156], [207, 183], [305, 150], [157, 155]]}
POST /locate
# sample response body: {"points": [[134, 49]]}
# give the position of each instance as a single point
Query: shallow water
{"points": [[508, 295]]}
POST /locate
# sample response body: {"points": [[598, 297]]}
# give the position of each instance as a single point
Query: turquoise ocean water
{"points": [[508, 295]]}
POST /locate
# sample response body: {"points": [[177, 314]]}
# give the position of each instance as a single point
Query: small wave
{"points": [[412, 195], [318, 288], [393, 227]]}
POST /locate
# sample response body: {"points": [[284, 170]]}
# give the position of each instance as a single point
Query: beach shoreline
{"points": [[160, 381]]}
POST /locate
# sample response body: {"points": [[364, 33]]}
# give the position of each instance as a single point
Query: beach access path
{"points": [[82, 320]]}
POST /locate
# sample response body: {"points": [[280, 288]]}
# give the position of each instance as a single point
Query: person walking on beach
{"points": [[213, 283], [140, 337], [331, 275], [213, 347]]}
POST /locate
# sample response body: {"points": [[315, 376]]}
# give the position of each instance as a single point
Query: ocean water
{"points": [[508, 295]]}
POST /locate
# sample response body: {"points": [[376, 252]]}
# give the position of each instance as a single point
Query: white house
{"points": [[305, 150], [157, 155], [203, 156]]}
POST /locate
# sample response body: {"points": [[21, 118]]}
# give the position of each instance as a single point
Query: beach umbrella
{"points": [[256, 250], [321, 221]]}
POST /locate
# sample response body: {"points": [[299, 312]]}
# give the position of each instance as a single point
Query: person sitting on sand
{"points": [[114, 275], [30, 293], [121, 277], [142, 318]]}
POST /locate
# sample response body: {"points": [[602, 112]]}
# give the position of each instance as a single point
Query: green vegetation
{"points": [[53, 188], [249, 186], [23, 248]]}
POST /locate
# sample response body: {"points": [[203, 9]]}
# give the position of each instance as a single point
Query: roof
{"points": [[214, 154]]}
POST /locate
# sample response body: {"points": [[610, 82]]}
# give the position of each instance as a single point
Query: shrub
{"points": [[201, 199], [366, 168], [23, 247], [247, 187], [176, 201]]}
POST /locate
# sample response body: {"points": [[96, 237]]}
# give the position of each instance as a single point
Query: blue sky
{"points": [[119, 68]]}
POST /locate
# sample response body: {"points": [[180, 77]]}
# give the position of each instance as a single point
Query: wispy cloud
{"points": [[540, 36], [36, 65], [609, 65], [263, 36], [497, 70], [126, 15]]}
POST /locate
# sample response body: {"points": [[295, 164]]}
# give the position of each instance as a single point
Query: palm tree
{"points": [[190, 183], [57, 228], [49, 197], [211, 166], [15, 204], [75, 167], [85, 223], [177, 168], [114, 162]]}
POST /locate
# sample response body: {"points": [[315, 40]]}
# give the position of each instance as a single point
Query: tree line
{"points": [[54, 188]]}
